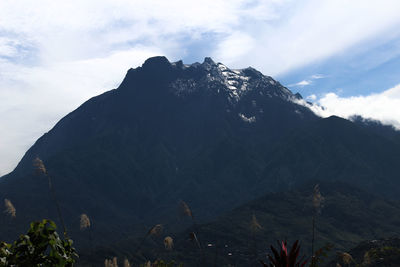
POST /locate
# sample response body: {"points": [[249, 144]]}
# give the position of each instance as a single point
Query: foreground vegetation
{"points": [[43, 246]]}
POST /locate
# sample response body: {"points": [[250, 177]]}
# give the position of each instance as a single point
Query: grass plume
{"points": [[346, 258], [39, 166], [168, 243], [186, 209], [111, 263], [254, 224], [156, 230], [85, 222], [10, 209], [126, 263], [318, 199]]}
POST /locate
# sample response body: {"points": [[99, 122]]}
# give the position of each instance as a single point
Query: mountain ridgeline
{"points": [[203, 133]]}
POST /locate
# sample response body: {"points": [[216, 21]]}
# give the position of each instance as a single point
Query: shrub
{"points": [[283, 258], [41, 246]]}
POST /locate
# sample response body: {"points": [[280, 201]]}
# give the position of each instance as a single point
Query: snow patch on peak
{"points": [[247, 119], [234, 80], [222, 67]]}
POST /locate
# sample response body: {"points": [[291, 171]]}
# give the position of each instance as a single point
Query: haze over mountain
{"points": [[203, 133]]}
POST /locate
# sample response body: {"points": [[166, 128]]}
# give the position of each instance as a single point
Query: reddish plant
{"points": [[285, 258]]}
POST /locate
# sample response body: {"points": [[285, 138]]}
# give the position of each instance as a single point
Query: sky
{"points": [[54, 55]]}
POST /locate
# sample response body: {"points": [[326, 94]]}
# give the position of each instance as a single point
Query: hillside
{"points": [[348, 216]]}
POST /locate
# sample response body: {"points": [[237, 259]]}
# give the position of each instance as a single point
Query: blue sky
{"points": [[352, 72], [54, 55]]}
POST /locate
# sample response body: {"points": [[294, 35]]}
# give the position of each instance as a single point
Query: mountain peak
{"points": [[185, 79], [156, 62], [208, 60]]}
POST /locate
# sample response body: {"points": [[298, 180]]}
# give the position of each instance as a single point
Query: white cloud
{"points": [[56, 54], [301, 83], [380, 106], [78, 29], [7, 47], [234, 46], [312, 30], [312, 97], [35, 98], [317, 76], [308, 81]]}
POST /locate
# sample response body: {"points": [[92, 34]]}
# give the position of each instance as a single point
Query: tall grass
{"points": [[317, 202], [153, 231], [86, 225], [41, 170], [187, 211], [255, 226]]}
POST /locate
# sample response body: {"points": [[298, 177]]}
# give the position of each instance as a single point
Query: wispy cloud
{"points": [[308, 81], [301, 83], [318, 76], [312, 97], [309, 31]]}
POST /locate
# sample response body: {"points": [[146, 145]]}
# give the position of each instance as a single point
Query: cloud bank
{"points": [[377, 106], [382, 106]]}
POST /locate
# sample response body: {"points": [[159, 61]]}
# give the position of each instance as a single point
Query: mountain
{"points": [[169, 132], [336, 149], [203, 133], [377, 127]]}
